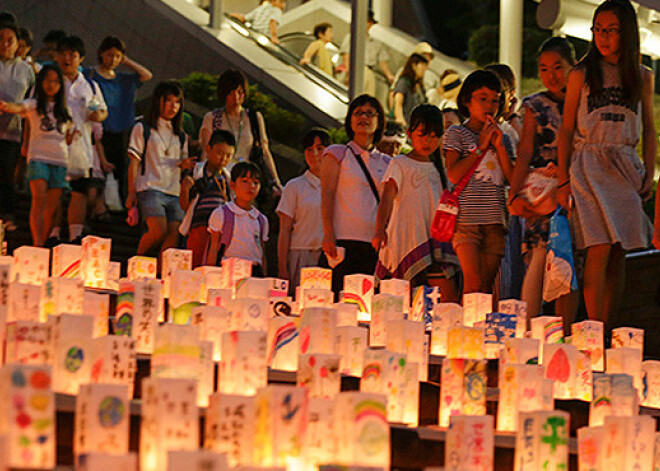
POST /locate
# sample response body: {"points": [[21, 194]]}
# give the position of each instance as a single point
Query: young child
{"points": [[238, 229], [412, 187], [481, 226], [205, 190], [323, 35], [50, 130]]}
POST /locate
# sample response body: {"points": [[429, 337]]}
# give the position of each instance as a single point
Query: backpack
{"points": [[146, 133], [228, 230]]}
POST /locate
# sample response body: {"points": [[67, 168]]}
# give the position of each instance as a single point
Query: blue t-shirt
{"points": [[119, 95]]}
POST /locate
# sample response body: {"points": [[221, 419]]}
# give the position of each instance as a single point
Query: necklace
{"points": [[167, 144], [232, 129]]}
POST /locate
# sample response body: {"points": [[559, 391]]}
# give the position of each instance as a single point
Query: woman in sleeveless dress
{"points": [[609, 99]]}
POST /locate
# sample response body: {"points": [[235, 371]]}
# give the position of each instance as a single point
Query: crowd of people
{"points": [[360, 207]]}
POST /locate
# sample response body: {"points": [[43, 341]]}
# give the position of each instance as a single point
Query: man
{"points": [[265, 18]]}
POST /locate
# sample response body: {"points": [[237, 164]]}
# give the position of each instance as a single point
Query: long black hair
{"points": [[431, 120], [60, 109], [629, 52], [409, 72], [161, 92]]}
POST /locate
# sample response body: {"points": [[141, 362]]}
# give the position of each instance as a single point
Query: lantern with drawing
{"points": [[95, 260]]}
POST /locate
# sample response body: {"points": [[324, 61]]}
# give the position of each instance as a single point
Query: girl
{"points": [[50, 130], [538, 152], [158, 150], [409, 90], [608, 98], [412, 186], [301, 228], [481, 225]]}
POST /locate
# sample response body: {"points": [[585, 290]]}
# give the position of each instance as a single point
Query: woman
{"points": [[349, 195], [409, 90]]}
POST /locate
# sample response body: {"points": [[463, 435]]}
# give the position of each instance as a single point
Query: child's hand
{"points": [[380, 239], [187, 183], [107, 166], [329, 246], [187, 164], [131, 200], [564, 195]]}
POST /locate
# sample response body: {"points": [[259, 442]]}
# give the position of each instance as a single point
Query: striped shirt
{"points": [[260, 17], [210, 194], [483, 201]]}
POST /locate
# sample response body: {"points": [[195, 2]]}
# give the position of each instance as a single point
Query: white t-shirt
{"points": [[247, 239], [47, 139], [241, 129], [355, 204], [163, 154], [261, 17], [301, 201]]}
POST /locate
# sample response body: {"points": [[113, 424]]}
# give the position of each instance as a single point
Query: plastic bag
{"points": [[111, 193], [559, 278]]}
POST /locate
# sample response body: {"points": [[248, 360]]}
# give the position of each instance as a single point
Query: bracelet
{"points": [[564, 184]]}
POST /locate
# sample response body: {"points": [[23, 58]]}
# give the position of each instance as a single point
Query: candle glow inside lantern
{"points": [[206, 380], [211, 279], [319, 374], [463, 389], [95, 260], [176, 352], [587, 336], [542, 440], [185, 294], [397, 287], [359, 289], [234, 270], [612, 395], [475, 307], [27, 416], [350, 344], [628, 337], [466, 342], [24, 302], [498, 328], [523, 351], [425, 299], [171, 260], [170, 420], [113, 276], [519, 308], [347, 314], [219, 297], [445, 317], [590, 444], [470, 443], [66, 261], [60, 295], [97, 306], [185, 460], [409, 338], [29, 343], [385, 308], [243, 368], [315, 297], [315, 278], [102, 420], [317, 448], [626, 360], [114, 361], [560, 365], [141, 267], [249, 314], [547, 329], [213, 321], [317, 330], [31, 265], [73, 350], [258, 288], [138, 308], [283, 343], [651, 384], [628, 442], [521, 390], [230, 427]]}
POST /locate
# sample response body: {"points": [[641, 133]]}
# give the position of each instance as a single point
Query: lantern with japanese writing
{"points": [[424, 301], [95, 260], [31, 265], [72, 348], [445, 317], [350, 344], [590, 444], [114, 361], [315, 278], [587, 336], [347, 314], [317, 330], [185, 294], [141, 267], [60, 295], [24, 302], [475, 307], [283, 343], [628, 443], [519, 308], [542, 440], [612, 395], [385, 308], [243, 368], [176, 352], [186, 460], [29, 343], [466, 342], [521, 390], [66, 261], [173, 259], [470, 443], [409, 338], [230, 427], [560, 365], [359, 289], [319, 374]]}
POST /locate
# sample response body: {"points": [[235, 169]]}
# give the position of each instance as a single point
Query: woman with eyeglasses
{"points": [[609, 98], [350, 185]]}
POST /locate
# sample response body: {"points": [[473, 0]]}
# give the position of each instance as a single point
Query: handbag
{"points": [[559, 277], [446, 212]]}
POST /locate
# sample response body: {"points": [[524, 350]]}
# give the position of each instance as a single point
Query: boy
{"points": [[265, 18], [250, 227], [205, 190]]}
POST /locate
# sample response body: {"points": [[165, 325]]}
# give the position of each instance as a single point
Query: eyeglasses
{"points": [[368, 114], [614, 31]]}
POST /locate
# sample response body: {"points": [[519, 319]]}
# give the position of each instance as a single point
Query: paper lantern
{"points": [[424, 301], [280, 424], [27, 416], [171, 260], [114, 361], [113, 276], [316, 297], [29, 343], [317, 444], [347, 314], [249, 314], [521, 390], [584, 382], [475, 307], [219, 297], [277, 287], [317, 330], [628, 443], [102, 420], [176, 352], [466, 342], [258, 288], [5, 270], [95, 260], [587, 336], [362, 434], [409, 338], [197, 460], [97, 306], [206, 380], [651, 384], [385, 373], [211, 279], [230, 427], [463, 389], [31, 265], [445, 316], [138, 306], [185, 294], [315, 278], [66, 261], [385, 308], [409, 396], [470, 444], [359, 289], [498, 328], [141, 267], [612, 395], [96, 461], [24, 302], [319, 374], [590, 444], [656, 452], [234, 270], [560, 365], [626, 360], [397, 287], [243, 368], [60, 295], [519, 308], [548, 329], [350, 344], [628, 337], [170, 420], [73, 351], [283, 343], [542, 441], [523, 351], [213, 321]]}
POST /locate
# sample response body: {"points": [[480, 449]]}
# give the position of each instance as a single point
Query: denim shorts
{"points": [[156, 204], [55, 175]]}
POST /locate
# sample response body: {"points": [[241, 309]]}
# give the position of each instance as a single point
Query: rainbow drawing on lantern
{"points": [[72, 271], [354, 298], [283, 336], [554, 331], [371, 370], [603, 402], [370, 408], [124, 318]]}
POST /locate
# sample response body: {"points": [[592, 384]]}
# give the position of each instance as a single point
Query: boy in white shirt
{"points": [[238, 229]]}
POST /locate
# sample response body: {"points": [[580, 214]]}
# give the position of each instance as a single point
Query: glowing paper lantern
{"points": [[97, 306], [385, 308], [362, 434], [587, 336], [317, 448], [590, 444], [234, 270], [27, 416], [218, 297], [249, 314], [315, 297], [114, 361], [560, 365], [315, 278], [547, 329], [95, 261], [628, 443], [626, 360], [424, 301], [170, 420], [24, 302], [280, 424], [651, 383], [73, 351], [409, 395], [359, 289], [230, 427], [196, 459], [397, 287], [243, 368], [466, 342], [445, 317], [96, 461], [213, 321], [278, 287], [584, 382], [176, 352], [113, 276], [258, 288], [409, 338], [628, 337], [350, 344], [31, 265], [29, 343], [347, 314], [102, 420], [142, 267], [463, 389], [519, 308], [211, 279], [470, 443], [542, 440], [317, 330], [283, 343], [612, 395], [498, 328], [60, 295], [206, 378], [185, 294], [66, 261], [475, 307], [319, 374], [138, 306], [385, 373], [174, 259], [523, 351], [521, 390]]}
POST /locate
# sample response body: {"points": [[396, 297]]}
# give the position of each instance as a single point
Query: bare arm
{"points": [[13, 108], [144, 73], [133, 166], [268, 156], [26, 139], [525, 153], [329, 178], [398, 108], [238, 16], [284, 245], [273, 31], [184, 194], [565, 142], [386, 70], [383, 215], [649, 143], [310, 52]]}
